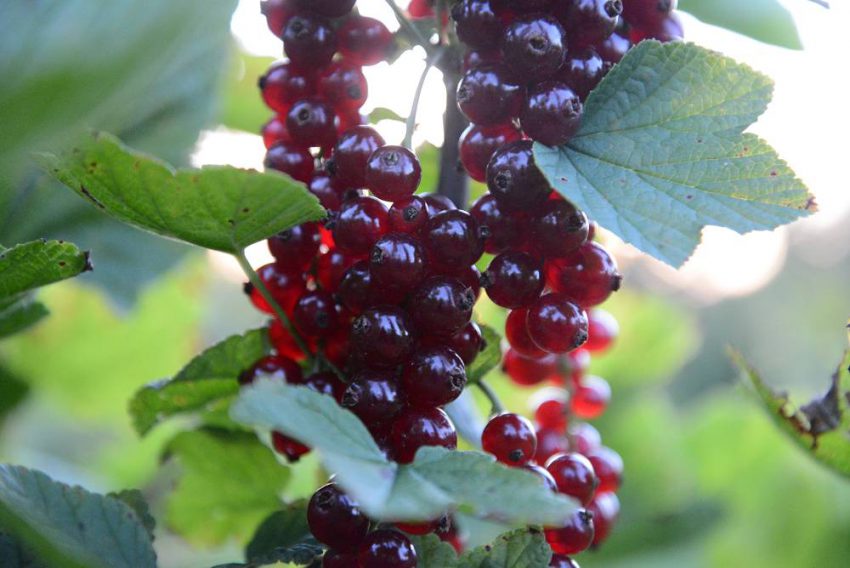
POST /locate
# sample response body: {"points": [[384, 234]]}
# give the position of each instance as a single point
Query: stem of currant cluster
{"points": [[410, 125], [496, 405], [454, 182], [408, 25], [257, 282]]}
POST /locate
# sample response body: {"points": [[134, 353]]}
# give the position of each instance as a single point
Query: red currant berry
{"points": [[343, 86], [276, 367], [283, 341], [364, 41], [613, 49], [545, 477], [393, 173], [277, 13], [476, 58], [574, 536], [559, 228], [275, 131], [476, 24], [295, 248], [283, 84], [355, 291], [504, 230], [437, 203], [555, 324], [516, 332], [327, 8], [441, 306], [514, 179], [420, 9], [585, 437], [326, 383], [469, 276], [397, 261], [385, 548], [510, 438], [562, 561], [433, 376], [373, 396], [574, 475], [667, 30], [513, 280], [285, 287], [347, 166], [646, 13], [602, 328], [322, 187], [442, 525], [331, 267], [589, 21], [608, 466], [582, 71], [467, 343], [550, 443], [528, 371], [605, 508], [311, 123], [334, 559], [551, 409], [551, 114], [590, 397], [309, 40], [360, 223], [534, 47], [294, 161], [408, 215], [487, 96], [335, 519], [478, 143], [382, 336], [453, 239], [315, 314], [587, 276], [417, 427], [291, 449]]}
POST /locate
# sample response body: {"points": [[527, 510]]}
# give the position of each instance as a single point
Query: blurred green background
{"points": [[709, 480]]}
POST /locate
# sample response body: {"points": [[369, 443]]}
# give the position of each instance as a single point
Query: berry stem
{"points": [[454, 183], [255, 279], [496, 405], [408, 25], [410, 125]]}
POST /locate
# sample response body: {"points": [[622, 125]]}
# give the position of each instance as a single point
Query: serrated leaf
{"points": [[431, 552], [20, 316], [230, 482], [220, 208], [661, 152], [284, 536], [69, 526], [437, 480], [765, 20], [208, 378], [134, 499], [524, 548], [31, 265], [489, 358]]}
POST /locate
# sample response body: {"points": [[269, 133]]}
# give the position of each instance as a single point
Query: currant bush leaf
{"points": [[466, 418], [38, 263], [69, 526], [220, 208], [229, 483], [767, 21], [662, 153], [134, 499], [437, 480], [489, 358], [208, 378], [524, 548], [284, 536], [12, 391], [21, 316], [431, 552]]}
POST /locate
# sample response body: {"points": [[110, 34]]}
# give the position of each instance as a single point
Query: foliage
{"points": [[765, 20]]}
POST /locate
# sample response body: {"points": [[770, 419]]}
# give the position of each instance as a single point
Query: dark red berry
{"points": [[513, 280], [555, 324], [605, 508], [516, 332], [418, 427], [587, 276], [574, 475], [343, 86], [602, 329], [574, 536], [433, 376], [327, 8], [586, 438], [364, 41], [355, 290], [397, 261], [441, 306], [608, 466], [437, 203], [476, 58], [382, 336], [514, 179], [291, 449], [360, 223], [528, 371], [549, 443], [283, 84], [487, 96], [335, 519], [393, 173], [276, 367], [347, 166], [408, 215], [442, 525], [277, 12], [647, 13], [562, 561], [275, 131], [551, 114], [589, 21], [315, 314], [295, 248], [510, 438], [614, 48], [469, 276], [310, 122], [550, 408], [467, 343], [452, 239], [503, 230], [331, 267], [559, 228], [582, 71], [295, 161], [420, 9], [373, 395], [386, 549], [667, 30], [326, 383], [335, 559], [545, 476], [322, 187], [285, 286], [478, 143], [477, 25], [534, 47], [309, 40], [283, 341]]}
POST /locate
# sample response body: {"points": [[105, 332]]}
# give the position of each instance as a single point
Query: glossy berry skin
{"points": [[397, 261], [510, 438], [528, 371], [315, 314], [562, 561], [276, 367], [545, 476], [514, 179], [351, 153], [588, 276], [277, 12], [327, 8], [343, 86], [586, 438], [467, 343], [382, 336], [331, 267], [285, 286], [550, 443], [589, 21], [667, 30], [373, 395], [284, 84], [310, 123], [469, 276], [360, 223], [503, 230], [275, 131], [516, 332], [574, 536], [295, 248], [441, 306], [386, 548], [534, 47], [291, 449], [335, 559], [433, 376], [602, 330], [487, 96], [326, 383], [513, 280], [551, 409], [393, 173], [552, 113], [408, 215], [475, 58], [608, 466], [647, 13], [613, 49], [335, 519], [283, 341], [364, 41], [555, 324], [574, 475], [309, 40], [476, 24], [590, 397], [295, 161], [582, 71], [605, 508], [437, 203], [478, 143], [441, 525], [417, 427], [355, 291], [452, 239], [559, 229]]}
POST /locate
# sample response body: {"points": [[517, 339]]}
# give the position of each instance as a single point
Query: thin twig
{"points": [[410, 124], [496, 405], [407, 24]]}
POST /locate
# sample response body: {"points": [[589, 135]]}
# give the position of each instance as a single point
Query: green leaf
{"points": [[524, 548], [661, 152], [243, 106], [21, 316], [230, 482], [69, 526], [489, 358], [431, 552], [208, 378], [765, 20], [15, 555], [221, 208], [382, 113], [466, 418], [12, 392], [437, 480], [134, 499], [284, 537], [38, 263]]}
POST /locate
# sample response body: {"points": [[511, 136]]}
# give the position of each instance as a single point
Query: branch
{"points": [[410, 125], [496, 405], [454, 183], [408, 25]]}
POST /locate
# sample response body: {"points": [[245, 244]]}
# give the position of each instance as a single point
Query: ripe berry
{"points": [[646, 13], [476, 24], [545, 476], [397, 261], [283, 341], [334, 559], [442, 525], [335, 519], [561, 561], [291, 449], [326, 383], [385, 548], [587, 276], [602, 329], [514, 179], [516, 332], [608, 466], [477, 144], [441, 306], [590, 397], [295, 161], [475, 58], [373, 395], [283, 84], [343, 86], [275, 131], [437, 203], [433, 376], [559, 228], [383, 336], [364, 41], [613, 49], [487, 96], [586, 438], [551, 409], [551, 114], [327, 8], [605, 508], [347, 166], [276, 367], [355, 291], [393, 173], [417, 427], [453, 239], [360, 223], [467, 343], [528, 371], [513, 280], [582, 71], [309, 40], [315, 314], [322, 187], [510, 438], [574, 475], [534, 47], [331, 267], [667, 30], [574, 536], [589, 21], [408, 215], [504, 230], [277, 12], [310, 122], [469, 276], [285, 286], [549, 443], [295, 248], [555, 324]]}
